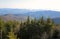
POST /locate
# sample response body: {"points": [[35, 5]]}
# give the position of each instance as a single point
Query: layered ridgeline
{"points": [[13, 17], [21, 14]]}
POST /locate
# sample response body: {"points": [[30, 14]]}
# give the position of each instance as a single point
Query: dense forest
{"points": [[30, 29]]}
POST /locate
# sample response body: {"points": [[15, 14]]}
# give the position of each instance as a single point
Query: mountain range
{"points": [[21, 14]]}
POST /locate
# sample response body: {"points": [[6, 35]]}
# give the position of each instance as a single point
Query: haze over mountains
{"points": [[21, 14]]}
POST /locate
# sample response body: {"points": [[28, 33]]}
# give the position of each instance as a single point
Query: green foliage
{"points": [[11, 35], [30, 29]]}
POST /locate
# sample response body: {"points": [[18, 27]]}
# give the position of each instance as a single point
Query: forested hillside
{"points": [[30, 29]]}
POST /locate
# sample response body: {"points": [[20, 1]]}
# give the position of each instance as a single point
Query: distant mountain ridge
{"points": [[12, 17], [38, 14], [33, 13], [12, 11], [56, 20], [21, 14]]}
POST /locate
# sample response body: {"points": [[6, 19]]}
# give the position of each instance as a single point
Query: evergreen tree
{"points": [[2, 28], [12, 35], [42, 20], [28, 20]]}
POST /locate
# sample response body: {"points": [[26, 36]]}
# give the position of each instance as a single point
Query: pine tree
{"points": [[11, 34], [41, 20], [28, 20], [49, 21], [2, 28]]}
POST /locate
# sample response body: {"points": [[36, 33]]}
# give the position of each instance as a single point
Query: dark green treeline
{"points": [[30, 29]]}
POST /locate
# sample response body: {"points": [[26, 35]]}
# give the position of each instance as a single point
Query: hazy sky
{"points": [[31, 4]]}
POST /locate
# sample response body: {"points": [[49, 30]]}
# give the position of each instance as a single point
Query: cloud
{"points": [[33, 4]]}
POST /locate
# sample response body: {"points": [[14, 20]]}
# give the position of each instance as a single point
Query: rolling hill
{"points": [[12, 17], [21, 14], [33, 13], [56, 20]]}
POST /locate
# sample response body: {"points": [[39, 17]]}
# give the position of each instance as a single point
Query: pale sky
{"points": [[31, 4]]}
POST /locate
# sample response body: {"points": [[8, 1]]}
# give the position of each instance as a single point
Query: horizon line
{"points": [[32, 9]]}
